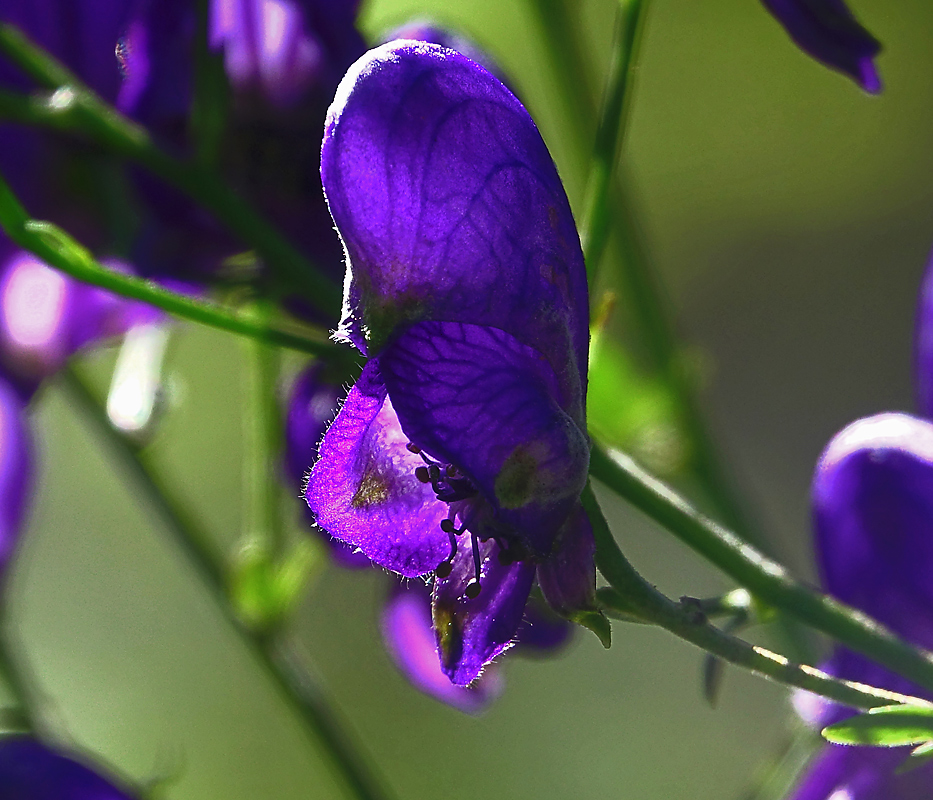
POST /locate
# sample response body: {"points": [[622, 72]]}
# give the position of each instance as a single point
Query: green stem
{"points": [[610, 133], [608, 201], [20, 686], [765, 578], [263, 435], [59, 250], [83, 110], [274, 654], [631, 595]]}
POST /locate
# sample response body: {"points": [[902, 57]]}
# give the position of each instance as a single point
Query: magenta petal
{"points": [[568, 577], [472, 632], [479, 399], [410, 640], [450, 206], [363, 488]]}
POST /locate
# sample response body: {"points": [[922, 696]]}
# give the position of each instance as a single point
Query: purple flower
{"points": [[462, 448], [29, 770], [409, 637], [873, 511], [828, 31], [283, 59], [45, 317]]}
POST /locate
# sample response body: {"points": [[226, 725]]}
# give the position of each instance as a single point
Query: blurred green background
{"points": [[790, 216]]}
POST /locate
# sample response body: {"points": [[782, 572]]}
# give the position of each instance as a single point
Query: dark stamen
{"points": [[444, 569], [421, 473], [413, 448]]}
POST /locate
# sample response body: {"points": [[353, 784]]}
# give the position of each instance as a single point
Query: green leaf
{"points": [[596, 622], [886, 726]]}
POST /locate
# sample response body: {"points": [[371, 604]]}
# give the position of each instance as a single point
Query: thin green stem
{"points": [[263, 435], [84, 111], [59, 250], [630, 594], [274, 654], [765, 578], [20, 686], [609, 207], [610, 132]]}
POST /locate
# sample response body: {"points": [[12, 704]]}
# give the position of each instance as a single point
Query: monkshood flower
{"points": [[873, 511], [461, 451], [30, 770], [828, 31]]}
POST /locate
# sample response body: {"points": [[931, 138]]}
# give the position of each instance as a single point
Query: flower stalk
{"points": [[765, 578]]}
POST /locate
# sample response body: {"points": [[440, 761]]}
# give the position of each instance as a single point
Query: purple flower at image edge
{"points": [[461, 451], [30, 770], [828, 31], [873, 513]]}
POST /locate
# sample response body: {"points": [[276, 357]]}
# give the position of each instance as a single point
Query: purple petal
{"points": [[45, 316], [827, 31], [873, 509], [450, 207], [479, 399], [16, 470], [267, 48], [312, 405], [363, 489], [568, 577], [472, 632], [31, 771], [862, 773], [410, 640]]}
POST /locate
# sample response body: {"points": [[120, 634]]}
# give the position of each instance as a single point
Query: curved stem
{"points": [[765, 578], [632, 596], [20, 686], [78, 107], [275, 655], [59, 250], [608, 201]]}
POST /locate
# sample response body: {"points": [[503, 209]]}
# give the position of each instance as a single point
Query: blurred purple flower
{"points": [[828, 31], [29, 770], [462, 448], [282, 59], [16, 472], [45, 317], [873, 511]]}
